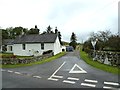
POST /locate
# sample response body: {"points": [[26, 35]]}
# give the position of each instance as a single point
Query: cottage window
{"points": [[10, 48], [42, 46], [23, 46]]}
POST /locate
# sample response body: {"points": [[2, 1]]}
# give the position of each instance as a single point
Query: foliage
{"points": [[49, 29], [98, 65], [56, 30], [47, 52], [65, 43], [59, 36], [4, 34], [105, 41], [114, 42], [33, 30], [10, 55], [73, 40], [11, 33]]}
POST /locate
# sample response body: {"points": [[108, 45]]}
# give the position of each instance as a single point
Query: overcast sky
{"points": [[79, 16]]}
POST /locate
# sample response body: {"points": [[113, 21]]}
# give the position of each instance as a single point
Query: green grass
{"points": [[11, 54], [107, 68], [35, 63]]}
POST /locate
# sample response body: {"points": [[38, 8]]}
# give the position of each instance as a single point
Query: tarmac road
{"points": [[68, 71]]}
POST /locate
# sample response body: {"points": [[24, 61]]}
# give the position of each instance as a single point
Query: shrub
{"points": [[47, 52]]}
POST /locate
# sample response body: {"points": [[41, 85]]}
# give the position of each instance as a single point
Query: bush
{"points": [[47, 52], [8, 56]]}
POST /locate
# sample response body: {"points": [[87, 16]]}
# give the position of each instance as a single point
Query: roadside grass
{"points": [[8, 55], [38, 62], [107, 68]]}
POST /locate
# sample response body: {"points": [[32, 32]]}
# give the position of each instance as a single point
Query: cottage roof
{"points": [[7, 41], [36, 38]]}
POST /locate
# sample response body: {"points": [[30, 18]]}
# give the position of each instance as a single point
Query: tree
{"points": [[5, 34], [102, 37], [10, 31], [73, 40], [33, 30], [59, 36], [114, 42], [49, 29], [56, 30]]}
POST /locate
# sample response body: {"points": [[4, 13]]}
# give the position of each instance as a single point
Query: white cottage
{"points": [[7, 45], [36, 44]]}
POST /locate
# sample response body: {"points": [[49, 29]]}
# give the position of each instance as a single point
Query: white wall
{"points": [[8, 49], [57, 47], [63, 47], [31, 49]]}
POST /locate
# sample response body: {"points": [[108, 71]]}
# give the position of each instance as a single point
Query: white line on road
{"points": [[17, 72], [111, 83], [86, 84], [77, 71], [66, 81], [57, 76], [36, 76], [107, 87], [53, 79], [71, 78], [3, 70], [9, 71], [58, 69], [53, 75], [93, 81]]}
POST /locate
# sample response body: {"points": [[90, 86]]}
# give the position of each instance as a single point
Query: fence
{"points": [[106, 57]]}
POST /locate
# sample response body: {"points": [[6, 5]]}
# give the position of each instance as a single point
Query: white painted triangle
{"points": [[77, 71]]}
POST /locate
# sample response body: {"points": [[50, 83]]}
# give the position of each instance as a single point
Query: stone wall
{"points": [[106, 57], [13, 61]]}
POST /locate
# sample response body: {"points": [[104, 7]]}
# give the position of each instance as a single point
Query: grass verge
{"points": [[35, 63], [107, 68]]}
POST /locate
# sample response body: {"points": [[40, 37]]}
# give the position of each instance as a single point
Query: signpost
{"points": [[93, 44]]}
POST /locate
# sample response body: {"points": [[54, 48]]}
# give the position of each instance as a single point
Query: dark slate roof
{"points": [[7, 41], [36, 38]]}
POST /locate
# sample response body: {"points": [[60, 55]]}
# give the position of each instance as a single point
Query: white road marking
{"points": [[17, 72], [9, 71], [66, 81], [36, 76], [71, 78], [111, 83], [53, 79], [77, 71], [57, 76], [86, 84], [53, 75], [93, 81], [3, 70], [58, 69], [107, 87]]}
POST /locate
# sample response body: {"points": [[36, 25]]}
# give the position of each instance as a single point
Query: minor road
{"points": [[68, 71]]}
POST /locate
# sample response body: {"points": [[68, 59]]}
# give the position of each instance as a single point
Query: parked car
{"points": [[69, 49]]}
